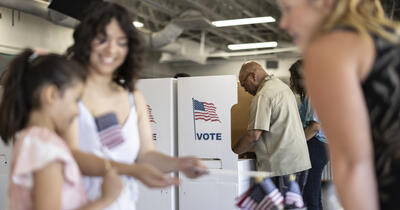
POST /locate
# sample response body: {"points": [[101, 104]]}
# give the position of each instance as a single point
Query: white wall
{"points": [[153, 69], [31, 31], [223, 67], [230, 67]]}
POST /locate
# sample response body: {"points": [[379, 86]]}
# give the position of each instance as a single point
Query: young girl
{"points": [[39, 103], [352, 70]]}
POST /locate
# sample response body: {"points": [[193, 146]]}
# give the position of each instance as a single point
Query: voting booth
{"points": [[204, 131], [5, 160], [160, 95]]}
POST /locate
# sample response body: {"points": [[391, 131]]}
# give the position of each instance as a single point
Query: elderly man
{"points": [[274, 127]]}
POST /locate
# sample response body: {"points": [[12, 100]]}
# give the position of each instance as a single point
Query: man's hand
{"points": [[247, 141]]}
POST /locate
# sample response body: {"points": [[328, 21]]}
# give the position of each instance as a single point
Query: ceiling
{"points": [[392, 8], [155, 14]]}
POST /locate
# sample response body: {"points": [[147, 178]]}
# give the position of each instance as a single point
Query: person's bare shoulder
{"points": [[138, 95], [140, 100], [345, 47], [338, 42]]}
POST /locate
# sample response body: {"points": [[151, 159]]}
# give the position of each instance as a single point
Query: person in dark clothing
{"points": [[316, 140]]}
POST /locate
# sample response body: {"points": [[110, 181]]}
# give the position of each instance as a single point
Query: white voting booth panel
{"points": [[5, 160], [160, 95], [204, 130]]}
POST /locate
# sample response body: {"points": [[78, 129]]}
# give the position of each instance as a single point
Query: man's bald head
{"points": [[251, 75], [251, 66]]}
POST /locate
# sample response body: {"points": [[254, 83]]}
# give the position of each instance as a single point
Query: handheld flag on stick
{"points": [[293, 198], [262, 196]]}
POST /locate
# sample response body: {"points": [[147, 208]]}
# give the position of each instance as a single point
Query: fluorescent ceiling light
{"points": [[43, 2], [244, 21], [137, 24], [252, 45]]}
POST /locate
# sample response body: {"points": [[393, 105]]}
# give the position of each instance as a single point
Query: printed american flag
{"points": [[293, 196], [110, 132], [205, 111], [263, 196], [151, 117]]}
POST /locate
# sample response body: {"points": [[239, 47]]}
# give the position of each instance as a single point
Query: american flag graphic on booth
{"points": [[205, 111], [151, 117]]}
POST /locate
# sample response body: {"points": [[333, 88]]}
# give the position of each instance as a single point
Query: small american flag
{"points": [[151, 117], [110, 132], [205, 111], [273, 198], [263, 196], [293, 196]]}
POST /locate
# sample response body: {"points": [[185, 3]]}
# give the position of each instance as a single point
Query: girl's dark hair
{"points": [[98, 17], [23, 82], [296, 77]]}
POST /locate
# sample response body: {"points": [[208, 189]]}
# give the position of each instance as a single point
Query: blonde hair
{"points": [[365, 16]]}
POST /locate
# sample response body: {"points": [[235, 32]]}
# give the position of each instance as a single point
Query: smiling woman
{"points": [[108, 50], [109, 46], [113, 32]]}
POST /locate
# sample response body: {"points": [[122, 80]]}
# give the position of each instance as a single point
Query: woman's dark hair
{"points": [[98, 17], [296, 77], [23, 82]]}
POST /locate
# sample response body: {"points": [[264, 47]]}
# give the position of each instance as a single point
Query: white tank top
{"points": [[126, 152]]}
